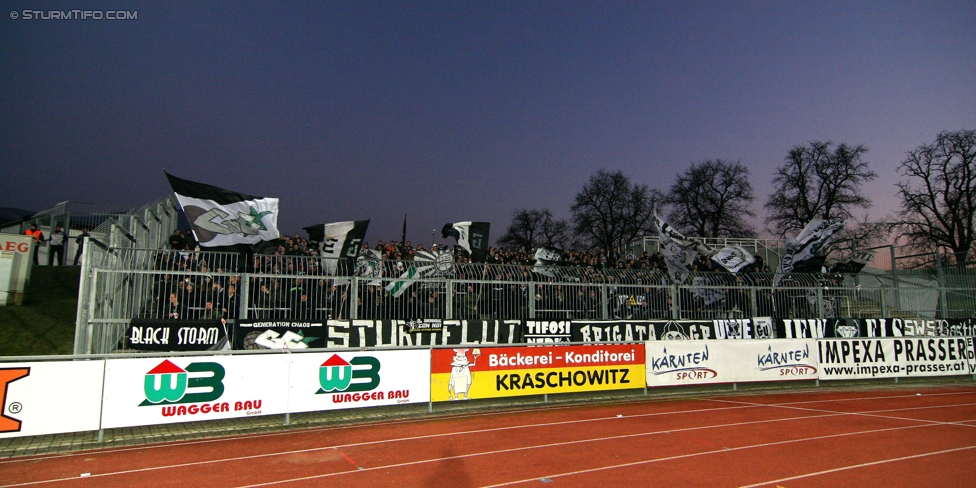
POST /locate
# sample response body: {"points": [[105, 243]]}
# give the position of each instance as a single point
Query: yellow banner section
{"points": [[494, 384]]}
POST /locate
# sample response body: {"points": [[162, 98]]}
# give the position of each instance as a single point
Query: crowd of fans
{"points": [[294, 283]]}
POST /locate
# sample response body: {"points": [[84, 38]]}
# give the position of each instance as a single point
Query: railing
{"points": [[127, 283]]}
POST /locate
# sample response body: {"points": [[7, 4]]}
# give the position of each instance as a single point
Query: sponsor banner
{"points": [[854, 359], [330, 381], [465, 373], [270, 334], [39, 398], [372, 333], [175, 335], [705, 362], [547, 331], [930, 356], [148, 391]]}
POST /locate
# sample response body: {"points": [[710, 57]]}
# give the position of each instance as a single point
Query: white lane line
{"points": [[869, 413], [855, 466], [716, 451]]}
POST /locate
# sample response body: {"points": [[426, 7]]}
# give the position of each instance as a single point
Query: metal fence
{"points": [[121, 242], [127, 283]]}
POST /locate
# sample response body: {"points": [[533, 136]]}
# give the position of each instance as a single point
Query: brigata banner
{"points": [[49, 398], [330, 381], [598, 331], [704, 362], [147, 391], [851, 359], [465, 373]]}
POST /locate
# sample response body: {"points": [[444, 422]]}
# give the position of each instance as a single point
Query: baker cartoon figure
{"points": [[461, 373]]}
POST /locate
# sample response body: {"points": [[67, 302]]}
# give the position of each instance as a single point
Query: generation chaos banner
{"points": [[466, 373]]}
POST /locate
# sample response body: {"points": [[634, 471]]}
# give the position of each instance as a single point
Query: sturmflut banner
{"points": [[330, 381], [39, 398], [475, 373], [372, 333], [703, 362]]}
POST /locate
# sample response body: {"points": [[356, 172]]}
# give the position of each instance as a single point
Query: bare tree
{"points": [[534, 228], [609, 212], [939, 199], [711, 199], [817, 181]]}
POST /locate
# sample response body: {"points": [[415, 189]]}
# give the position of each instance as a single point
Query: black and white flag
{"points": [[733, 258], [340, 243], [427, 264], [546, 257], [855, 262], [679, 252], [472, 236], [801, 251], [222, 218]]}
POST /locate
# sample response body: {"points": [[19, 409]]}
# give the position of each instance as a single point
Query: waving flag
{"points": [[472, 236], [222, 218]]}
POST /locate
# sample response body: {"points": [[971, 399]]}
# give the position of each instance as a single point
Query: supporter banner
{"points": [[754, 328], [39, 398], [704, 362], [818, 328], [175, 335], [641, 330], [371, 333], [148, 391], [943, 356], [612, 330], [971, 344], [270, 334], [463, 373], [899, 327], [893, 327], [547, 331], [330, 381], [852, 359]]}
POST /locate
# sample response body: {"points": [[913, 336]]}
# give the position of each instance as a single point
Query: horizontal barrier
{"points": [[50, 397]]}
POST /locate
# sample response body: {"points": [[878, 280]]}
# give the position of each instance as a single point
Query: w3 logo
{"points": [[336, 374], [167, 383]]}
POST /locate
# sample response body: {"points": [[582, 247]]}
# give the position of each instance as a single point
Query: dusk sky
{"points": [[452, 111]]}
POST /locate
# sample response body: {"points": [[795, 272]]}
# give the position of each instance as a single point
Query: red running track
{"points": [[889, 438]]}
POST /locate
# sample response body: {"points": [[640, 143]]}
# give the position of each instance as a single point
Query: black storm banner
{"points": [[175, 335]]}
